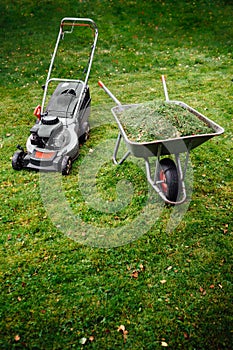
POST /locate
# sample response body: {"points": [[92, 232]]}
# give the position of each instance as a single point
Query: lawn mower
{"points": [[62, 125]]}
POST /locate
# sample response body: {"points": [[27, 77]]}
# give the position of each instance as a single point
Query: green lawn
{"points": [[94, 260]]}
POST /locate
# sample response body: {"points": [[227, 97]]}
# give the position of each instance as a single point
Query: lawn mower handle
{"points": [[83, 21], [72, 22]]}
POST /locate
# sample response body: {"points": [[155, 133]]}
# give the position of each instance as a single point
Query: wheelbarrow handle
{"points": [[165, 88], [110, 94]]}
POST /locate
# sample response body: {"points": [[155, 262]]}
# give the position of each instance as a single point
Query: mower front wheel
{"points": [[66, 165], [17, 160]]}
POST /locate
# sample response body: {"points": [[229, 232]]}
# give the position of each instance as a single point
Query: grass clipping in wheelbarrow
{"points": [[160, 121]]}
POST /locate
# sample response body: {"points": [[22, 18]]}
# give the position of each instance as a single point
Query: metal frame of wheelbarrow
{"points": [[160, 148]]}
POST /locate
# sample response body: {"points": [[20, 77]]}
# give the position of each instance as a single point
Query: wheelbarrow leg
{"points": [[157, 163], [183, 173], [115, 161]]}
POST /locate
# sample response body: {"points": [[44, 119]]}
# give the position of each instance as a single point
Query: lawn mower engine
{"points": [[54, 140]]}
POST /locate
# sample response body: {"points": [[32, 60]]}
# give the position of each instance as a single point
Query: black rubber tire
{"points": [[168, 173], [17, 160], [66, 165], [83, 138]]}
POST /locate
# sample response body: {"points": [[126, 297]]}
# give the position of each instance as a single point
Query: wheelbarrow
{"points": [[168, 176]]}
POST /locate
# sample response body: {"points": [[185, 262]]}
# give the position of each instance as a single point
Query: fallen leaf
{"points": [[125, 335], [225, 230], [163, 343], [121, 328], [202, 290], [186, 336], [135, 274], [163, 281], [212, 286], [142, 268], [83, 340], [123, 331]]}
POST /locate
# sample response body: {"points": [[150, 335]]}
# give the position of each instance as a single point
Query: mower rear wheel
{"points": [[169, 180], [17, 160], [83, 138], [66, 165]]}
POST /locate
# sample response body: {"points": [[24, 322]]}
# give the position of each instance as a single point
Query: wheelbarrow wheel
{"points": [[17, 160], [66, 165], [168, 179]]}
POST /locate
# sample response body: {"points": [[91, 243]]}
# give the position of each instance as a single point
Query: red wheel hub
{"points": [[162, 178]]}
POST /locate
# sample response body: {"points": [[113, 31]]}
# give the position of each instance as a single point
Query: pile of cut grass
{"points": [[158, 120]]}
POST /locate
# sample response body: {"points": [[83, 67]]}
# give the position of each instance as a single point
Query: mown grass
{"points": [[166, 287]]}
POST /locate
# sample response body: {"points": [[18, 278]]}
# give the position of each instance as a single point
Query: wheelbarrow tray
{"points": [[167, 146]]}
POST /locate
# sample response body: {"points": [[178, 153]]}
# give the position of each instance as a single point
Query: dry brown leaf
{"points": [[163, 281], [121, 328], [123, 331], [83, 340], [225, 230], [186, 336], [135, 274], [125, 335], [142, 267], [202, 290], [163, 343]]}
